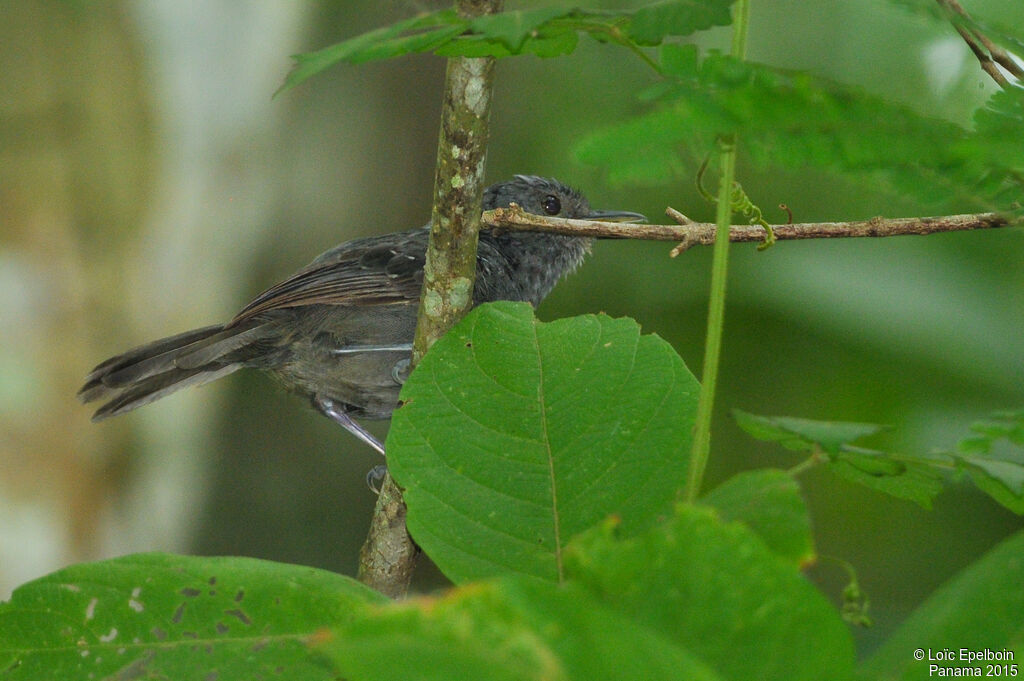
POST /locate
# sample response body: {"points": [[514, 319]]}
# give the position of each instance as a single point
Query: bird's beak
{"points": [[615, 216]]}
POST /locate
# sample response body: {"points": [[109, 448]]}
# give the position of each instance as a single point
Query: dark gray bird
{"points": [[339, 331]]}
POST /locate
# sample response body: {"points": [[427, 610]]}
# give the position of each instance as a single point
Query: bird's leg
{"points": [[375, 476], [332, 411]]}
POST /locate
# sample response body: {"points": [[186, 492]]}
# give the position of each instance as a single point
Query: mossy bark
{"points": [[388, 557]]}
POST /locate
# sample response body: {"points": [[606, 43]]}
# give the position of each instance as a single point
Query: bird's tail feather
{"points": [[149, 372]]}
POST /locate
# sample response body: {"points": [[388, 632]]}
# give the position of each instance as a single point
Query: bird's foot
{"points": [[401, 371], [375, 477]]}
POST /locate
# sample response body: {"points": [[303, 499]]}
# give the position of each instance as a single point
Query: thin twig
{"points": [[689, 233], [989, 55]]}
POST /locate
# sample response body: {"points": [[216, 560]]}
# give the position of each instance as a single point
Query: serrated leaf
{"points": [[514, 27], [416, 34], [804, 434], [872, 462], [1002, 424], [910, 481], [516, 435], [551, 44], [409, 44], [658, 148], [543, 32], [1001, 480], [677, 58], [174, 617], [1002, 114], [715, 588], [768, 501], [546, 44], [994, 31], [881, 471], [793, 119], [994, 458], [980, 608], [514, 628], [996, 145], [652, 23]]}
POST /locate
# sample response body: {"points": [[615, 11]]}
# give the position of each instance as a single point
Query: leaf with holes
{"points": [[516, 435], [175, 617], [511, 629]]}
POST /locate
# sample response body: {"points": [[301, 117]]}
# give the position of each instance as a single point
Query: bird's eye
{"points": [[551, 204]]}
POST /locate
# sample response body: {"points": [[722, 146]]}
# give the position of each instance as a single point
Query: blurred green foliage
{"points": [[923, 334]]}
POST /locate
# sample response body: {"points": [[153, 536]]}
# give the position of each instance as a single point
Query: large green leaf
{"points": [[516, 435], [174, 617], [717, 590], [508, 629], [982, 608], [768, 501]]}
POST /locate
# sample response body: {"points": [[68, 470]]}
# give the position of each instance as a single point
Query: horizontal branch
{"points": [[689, 233]]}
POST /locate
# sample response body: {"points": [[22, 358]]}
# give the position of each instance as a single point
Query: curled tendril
{"points": [[704, 193], [740, 203], [855, 601], [789, 213]]}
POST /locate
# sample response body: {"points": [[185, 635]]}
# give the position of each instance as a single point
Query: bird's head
{"points": [[544, 196]]}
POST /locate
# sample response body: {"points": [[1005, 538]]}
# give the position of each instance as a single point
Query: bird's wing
{"points": [[385, 270]]}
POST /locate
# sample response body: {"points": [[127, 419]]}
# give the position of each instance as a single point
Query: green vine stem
{"points": [[719, 270]]}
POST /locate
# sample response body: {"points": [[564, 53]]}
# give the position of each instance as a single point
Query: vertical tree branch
{"points": [[458, 189], [388, 557]]}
